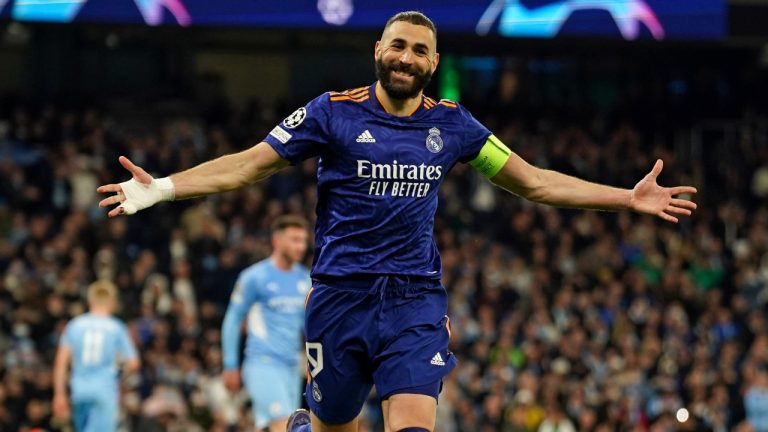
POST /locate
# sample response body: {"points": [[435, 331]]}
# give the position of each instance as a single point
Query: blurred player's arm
{"points": [[225, 173], [129, 357], [509, 171], [131, 365], [60, 373], [239, 303]]}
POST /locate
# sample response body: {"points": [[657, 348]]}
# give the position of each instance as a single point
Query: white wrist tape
{"points": [[139, 196]]}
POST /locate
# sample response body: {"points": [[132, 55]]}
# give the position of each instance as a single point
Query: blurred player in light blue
{"points": [[96, 344], [272, 293]]}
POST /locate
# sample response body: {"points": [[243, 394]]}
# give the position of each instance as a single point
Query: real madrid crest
{"points": [[434, 142], [316, 395]]}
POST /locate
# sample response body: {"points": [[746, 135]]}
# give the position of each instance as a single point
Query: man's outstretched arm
{"points": [[223, 174], [557, 189]]}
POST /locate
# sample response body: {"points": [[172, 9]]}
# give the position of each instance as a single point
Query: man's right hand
{"points": [[231, 378], [138, 193], [60, 406]]}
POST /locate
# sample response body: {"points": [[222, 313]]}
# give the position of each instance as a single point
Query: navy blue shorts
{"points": [[391, 332]]}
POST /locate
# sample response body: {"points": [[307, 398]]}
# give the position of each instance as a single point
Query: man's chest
{"points": [[378, 141]]}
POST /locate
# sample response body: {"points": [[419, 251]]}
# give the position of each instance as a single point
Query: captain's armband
{"points": [[492, 157]]}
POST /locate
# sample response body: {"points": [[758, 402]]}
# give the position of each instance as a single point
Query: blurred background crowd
{"points": [[562, 320]]}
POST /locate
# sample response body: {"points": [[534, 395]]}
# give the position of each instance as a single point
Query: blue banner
{"points": [[628, 19]]}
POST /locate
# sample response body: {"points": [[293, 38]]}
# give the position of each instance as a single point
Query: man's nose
{"points": [[406, 57]]}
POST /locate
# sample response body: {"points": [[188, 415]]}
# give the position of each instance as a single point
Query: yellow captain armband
{"points": [[492, 157]]}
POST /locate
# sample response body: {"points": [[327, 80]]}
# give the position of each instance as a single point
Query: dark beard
{"points": [[420, 80]]}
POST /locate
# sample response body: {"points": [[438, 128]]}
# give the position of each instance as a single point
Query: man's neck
{"points": [[397, 107], [100, 311], [281, 262]]}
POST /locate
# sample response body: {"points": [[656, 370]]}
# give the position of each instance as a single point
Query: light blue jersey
{"points": [[756, 405], [273, 299], [97, 344]]}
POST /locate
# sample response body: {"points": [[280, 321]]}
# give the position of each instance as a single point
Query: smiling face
{"points": [[406, 58]]}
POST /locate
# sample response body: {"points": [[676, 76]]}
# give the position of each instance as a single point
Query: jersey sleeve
{"points": [[125, 348], [67, 336], [244, 294], [304, 133], [475, 136]]}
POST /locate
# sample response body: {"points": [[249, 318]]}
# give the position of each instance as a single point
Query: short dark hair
{"points": [[287, 221], [413, 17]]}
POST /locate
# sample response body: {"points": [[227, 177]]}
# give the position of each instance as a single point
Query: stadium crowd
{"points": [[562, 320]]}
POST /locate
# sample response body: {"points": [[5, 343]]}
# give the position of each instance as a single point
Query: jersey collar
{"points": [[376, 103]]}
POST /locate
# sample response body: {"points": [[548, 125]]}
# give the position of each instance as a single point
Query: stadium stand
{"points": [[562, 320]]}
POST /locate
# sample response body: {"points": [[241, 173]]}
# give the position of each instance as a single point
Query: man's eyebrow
{"points": [[417, 45]]}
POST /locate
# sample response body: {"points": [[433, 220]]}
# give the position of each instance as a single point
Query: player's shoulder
{"points": [[441, 105], [110, 323], [256, 269], [115, 321], [349, 96], [82, 319], [75, 322], [448, 110], [88, 320], [303, 269]]}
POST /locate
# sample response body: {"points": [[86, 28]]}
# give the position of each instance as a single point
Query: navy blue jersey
{"points": [[378, 177]]}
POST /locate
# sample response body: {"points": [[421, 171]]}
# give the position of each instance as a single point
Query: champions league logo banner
{"points": [[545, 20], [627, 19]]}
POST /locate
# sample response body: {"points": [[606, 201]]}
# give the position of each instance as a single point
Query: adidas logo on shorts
{"points": [[437, 360], [366, 137]]}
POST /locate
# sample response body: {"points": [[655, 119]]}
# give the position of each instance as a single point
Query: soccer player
{"points": [[272, 293], [95, 343], [377, 314]]}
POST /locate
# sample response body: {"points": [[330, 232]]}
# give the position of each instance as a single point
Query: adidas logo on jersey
{"points": [[437, 360], [366, 137]]}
